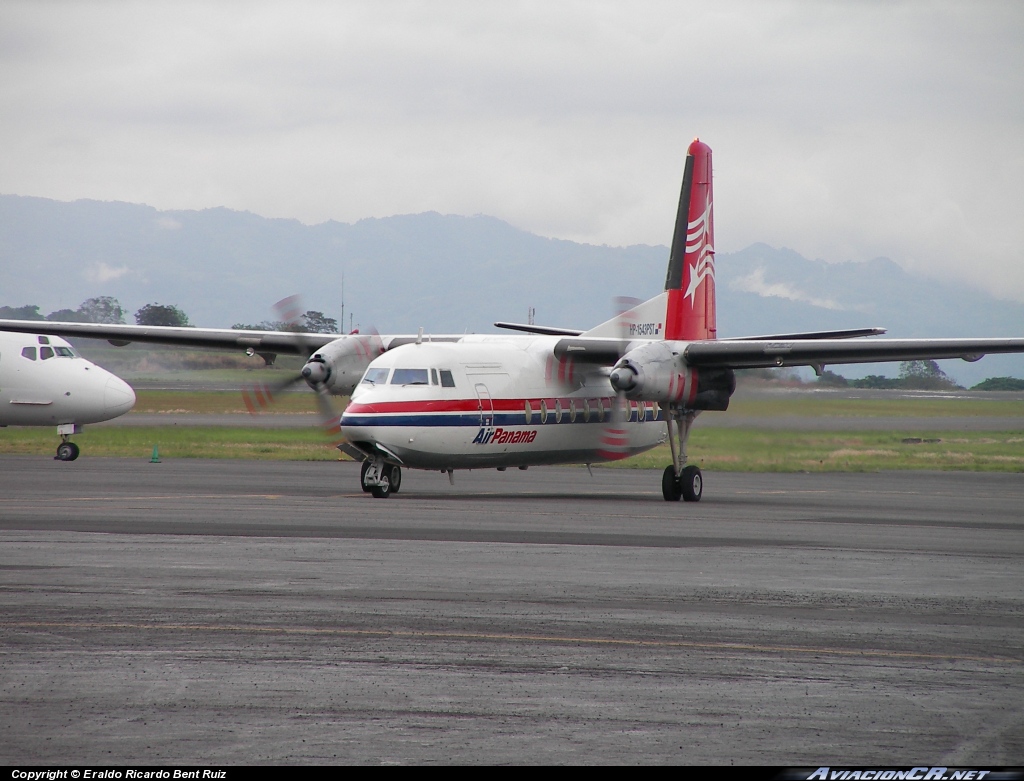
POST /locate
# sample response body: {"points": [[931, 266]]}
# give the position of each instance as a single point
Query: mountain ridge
{"points": [[450, 273]]}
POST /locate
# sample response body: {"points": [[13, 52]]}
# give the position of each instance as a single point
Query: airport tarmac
{"points": [[221, 612]]}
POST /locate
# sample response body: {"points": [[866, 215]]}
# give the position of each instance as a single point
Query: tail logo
{"points": [[699, 247]]}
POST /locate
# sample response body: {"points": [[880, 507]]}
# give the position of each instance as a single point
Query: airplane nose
{"points": [[118, 396]]}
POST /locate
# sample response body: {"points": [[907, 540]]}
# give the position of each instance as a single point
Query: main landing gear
{"points": [[679, 481], [380, 479]]}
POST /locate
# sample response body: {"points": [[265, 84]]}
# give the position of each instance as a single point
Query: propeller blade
{"points": [[259, 396], [614, 437]]}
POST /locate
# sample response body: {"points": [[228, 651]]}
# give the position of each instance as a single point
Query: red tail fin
{"points": [[691, 266]]}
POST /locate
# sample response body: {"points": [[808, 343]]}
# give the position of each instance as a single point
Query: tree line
{"points": [[107, 309]]}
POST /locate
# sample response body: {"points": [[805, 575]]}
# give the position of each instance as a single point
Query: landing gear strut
{"points": [[680, 481], [380, 479]]}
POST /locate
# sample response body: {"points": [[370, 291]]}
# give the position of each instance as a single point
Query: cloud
{"points": [[167, 223], [754, 282], [101, 272], [844, 130]]}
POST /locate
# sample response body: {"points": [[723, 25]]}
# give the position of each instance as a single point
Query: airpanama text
{"points": [[500, 436]]}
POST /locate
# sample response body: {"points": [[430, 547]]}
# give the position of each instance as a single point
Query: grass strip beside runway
{"points": [[172, 402], [730, 450]]}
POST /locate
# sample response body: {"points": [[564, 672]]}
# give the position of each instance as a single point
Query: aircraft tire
{"points": [[67, 451], [381, 491], [691, 482], [670, 487], [362, 478], [395, 478]]}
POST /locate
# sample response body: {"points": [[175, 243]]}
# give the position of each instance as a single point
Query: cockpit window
{"points": [[376, 376], [45, 353], [447, 381], [433, 376], [43, 339], [64, 352], [410, 377], [29, 352]]}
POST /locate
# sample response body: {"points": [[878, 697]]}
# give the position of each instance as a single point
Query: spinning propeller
{"points": [[347, 355], [614, 440]]}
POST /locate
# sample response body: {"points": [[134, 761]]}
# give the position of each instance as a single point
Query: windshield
{"points": [[410, 377], [376, 376]]}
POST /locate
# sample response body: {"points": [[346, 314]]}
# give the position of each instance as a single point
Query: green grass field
{"points": [[733, 449]]}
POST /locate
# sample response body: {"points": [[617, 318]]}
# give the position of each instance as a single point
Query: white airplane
{"points": [[45, 382], [550, 395]]}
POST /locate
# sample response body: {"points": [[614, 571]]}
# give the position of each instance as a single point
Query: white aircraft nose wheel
{"points": [[691, 483], [66, 451]]}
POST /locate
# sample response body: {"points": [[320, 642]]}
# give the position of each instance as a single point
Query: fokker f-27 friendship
{"points": [[552, 395]]}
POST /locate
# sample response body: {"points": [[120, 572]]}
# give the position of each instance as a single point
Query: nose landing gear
{"points": [[67, 450], [380, 479]]}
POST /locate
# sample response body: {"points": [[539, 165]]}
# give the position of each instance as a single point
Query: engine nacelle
{"points": [[655, 372], [339, 365]]}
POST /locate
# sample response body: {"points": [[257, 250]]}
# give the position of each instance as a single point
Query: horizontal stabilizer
{"points": [[849, 333], [545, 330]]}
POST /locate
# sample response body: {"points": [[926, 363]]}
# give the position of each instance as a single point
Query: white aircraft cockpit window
{"points": [[29, 352], [45, 353], [376, 376], [64, 352], [447, 381], [433, 377], [410, 377], [43, 339]]}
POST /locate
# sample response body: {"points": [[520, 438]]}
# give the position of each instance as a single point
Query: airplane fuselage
{"points": [[44, 382], [493, 401]]}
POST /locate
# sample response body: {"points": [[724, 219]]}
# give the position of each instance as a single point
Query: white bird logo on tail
{"points": [[698, 244]]}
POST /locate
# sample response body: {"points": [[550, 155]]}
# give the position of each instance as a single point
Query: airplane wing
{"points": [[223, 338], [750, 354], [796, 350]]}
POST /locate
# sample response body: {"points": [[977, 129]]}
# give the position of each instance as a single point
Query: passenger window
{"points": [[558, 410], [543, 411], [447, 381], [529, 412], [410, 377], [572, 411], [29, 352], [45, 353], [433, 376]]}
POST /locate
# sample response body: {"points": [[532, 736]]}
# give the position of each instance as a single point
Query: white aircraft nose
{"points": [[118, 396]]}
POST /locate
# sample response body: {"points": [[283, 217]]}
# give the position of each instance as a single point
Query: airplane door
{"points": [[485, 405]]}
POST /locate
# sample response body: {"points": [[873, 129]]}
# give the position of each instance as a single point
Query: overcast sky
{"points": [[843, 130]]}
